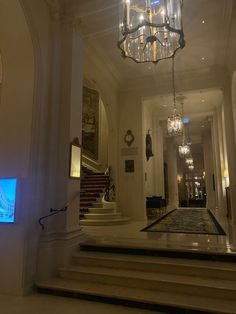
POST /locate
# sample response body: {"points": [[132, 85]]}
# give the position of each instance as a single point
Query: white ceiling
{"points": [[99, 21], [205, 51]]}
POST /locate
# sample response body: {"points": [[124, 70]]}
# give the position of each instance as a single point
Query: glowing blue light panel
{"points": [[186, 120], [7, 199], [155, 3]]}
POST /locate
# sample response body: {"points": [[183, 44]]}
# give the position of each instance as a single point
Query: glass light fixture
{"points": [[151, 30], [189, 161], [184, 150], [191, 167], [174, 122]]}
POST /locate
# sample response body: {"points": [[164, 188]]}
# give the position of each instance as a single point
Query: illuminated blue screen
{"points": [[7, 199], [186, 120], [155, 3]]}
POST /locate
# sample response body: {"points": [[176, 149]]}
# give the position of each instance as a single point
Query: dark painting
{"points": [[90, 120]]}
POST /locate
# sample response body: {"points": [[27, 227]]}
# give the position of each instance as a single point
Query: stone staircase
{"points": [[154, 280], [94, 210]]}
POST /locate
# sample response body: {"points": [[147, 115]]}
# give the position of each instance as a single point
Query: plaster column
{"points": [[131, 183], [173, 201], [231, 148], [217, 162], [159, 161], [62, 232], [209, 169], [223, 157]]}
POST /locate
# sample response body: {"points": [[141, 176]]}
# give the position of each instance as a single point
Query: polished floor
{"points": [[131, 235], [46, 304]]}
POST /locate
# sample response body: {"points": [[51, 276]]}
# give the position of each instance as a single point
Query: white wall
{"points": [[131, 185], [15, 140]]}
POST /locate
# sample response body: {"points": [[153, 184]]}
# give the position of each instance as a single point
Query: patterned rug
{"points": [[187, 220]]}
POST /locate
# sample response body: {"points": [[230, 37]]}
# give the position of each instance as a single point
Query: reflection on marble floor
{"points": [[130, 235], [47, 304]]}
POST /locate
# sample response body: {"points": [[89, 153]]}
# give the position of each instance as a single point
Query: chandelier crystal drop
{"points": [[151, 30]]}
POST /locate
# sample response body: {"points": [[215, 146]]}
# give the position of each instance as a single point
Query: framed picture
{"points": [[90, 122], [129, 165], [75, 159]]}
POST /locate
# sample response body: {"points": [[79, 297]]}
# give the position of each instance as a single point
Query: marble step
{"points": [[103, 216], [97, 205], [100, 210], [219, 270], [137, 297], [105, 222], [188, 285], [92, 190]]}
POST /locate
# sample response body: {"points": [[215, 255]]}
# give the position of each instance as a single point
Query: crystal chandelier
{"points": [[184, 150], [189, 161], [191, 167], [151, 30], [174, 122]]}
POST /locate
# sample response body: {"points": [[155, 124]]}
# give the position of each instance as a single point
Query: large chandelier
{"points": [[151, 30], [174, 122]]}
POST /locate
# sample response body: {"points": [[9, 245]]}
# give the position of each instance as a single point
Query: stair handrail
{"points": [[57, 211], [108, 187]]}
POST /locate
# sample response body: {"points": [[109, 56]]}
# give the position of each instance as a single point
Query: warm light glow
{"points": [[189, 161], [184, 150], [162, 35], [226, 173], [191, 167], [174, 125]]}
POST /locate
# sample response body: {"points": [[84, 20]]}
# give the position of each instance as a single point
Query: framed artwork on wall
{"points": [[75, 159], [90, 122], [129, 165]]}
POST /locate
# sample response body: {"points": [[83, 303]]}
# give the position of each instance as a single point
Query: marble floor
{"points": [[130, 235], [46, 304]]}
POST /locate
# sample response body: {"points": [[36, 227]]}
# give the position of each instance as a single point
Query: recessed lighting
{"points": [[203, 21], [203, 100], [203, 58]]}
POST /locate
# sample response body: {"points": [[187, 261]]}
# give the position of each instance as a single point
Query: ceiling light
{"points": [[203, 58], [184, 150], [151, 29], [189, 161], [174, 122], [191, 167], [203, 21]]}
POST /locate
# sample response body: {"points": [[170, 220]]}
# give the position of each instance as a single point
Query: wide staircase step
{"points": [[168, 284], [103, 216], [105, 222]]}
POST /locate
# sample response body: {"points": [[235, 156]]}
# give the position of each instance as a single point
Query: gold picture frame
{"points": [[75, 159]]}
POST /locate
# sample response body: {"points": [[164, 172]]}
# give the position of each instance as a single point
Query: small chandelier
{"points": [[191, 167], [189, 161], [184, 150], [151, 30], [174, 122]]}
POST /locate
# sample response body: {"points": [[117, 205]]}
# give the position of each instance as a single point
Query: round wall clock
{"points": [[129, 137]]}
